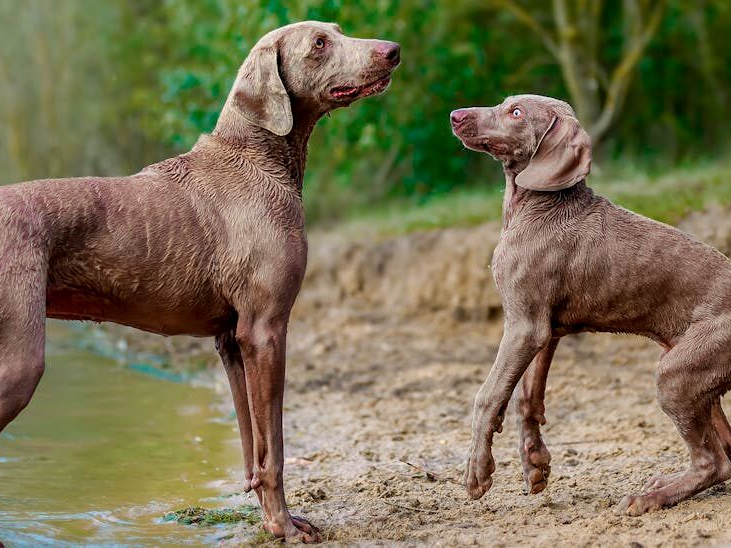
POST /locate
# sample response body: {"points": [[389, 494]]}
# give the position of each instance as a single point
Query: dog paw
{"points": [[296, 530]]}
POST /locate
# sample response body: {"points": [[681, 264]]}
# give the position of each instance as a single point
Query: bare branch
{"points": [[572, 66], [621, 76], [522, 15], [708, 57]]}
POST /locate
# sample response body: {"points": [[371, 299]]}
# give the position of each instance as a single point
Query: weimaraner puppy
{"points": [[210, 243], [570, 261]]}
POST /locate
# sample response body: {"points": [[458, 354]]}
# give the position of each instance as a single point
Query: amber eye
{"points": [[517, 113], [319, 43]]}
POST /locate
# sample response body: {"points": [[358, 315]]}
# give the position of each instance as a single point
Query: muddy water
{"points": [[103, 452]]}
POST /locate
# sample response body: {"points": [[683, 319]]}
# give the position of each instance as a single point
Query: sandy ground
{"points": [[389, 343], [366, 393]]}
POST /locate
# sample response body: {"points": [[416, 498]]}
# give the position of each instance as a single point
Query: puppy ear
{"points": [[561, 159], [260, 96]]}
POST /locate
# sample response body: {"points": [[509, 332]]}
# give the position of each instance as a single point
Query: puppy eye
{"points": [[517, 113], [319, 43]]}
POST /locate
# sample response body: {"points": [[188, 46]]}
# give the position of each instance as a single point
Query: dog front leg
{"points": [[233, 363], [262, 344], [521, 341]]}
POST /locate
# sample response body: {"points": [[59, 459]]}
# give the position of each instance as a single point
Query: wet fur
{"points": [[570, 261], [210, 243]]}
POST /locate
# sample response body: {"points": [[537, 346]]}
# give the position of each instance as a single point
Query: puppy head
{"points": [[537, 137]]}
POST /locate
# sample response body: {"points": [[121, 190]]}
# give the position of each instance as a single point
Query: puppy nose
{"points": [[390, 51], [458, 117]]}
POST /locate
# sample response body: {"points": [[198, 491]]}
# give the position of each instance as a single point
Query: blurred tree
{"points": [[107, 87], [52, 88], [597, 89]]}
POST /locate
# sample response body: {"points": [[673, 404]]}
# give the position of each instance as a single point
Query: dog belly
{"points": [[155, 315]]}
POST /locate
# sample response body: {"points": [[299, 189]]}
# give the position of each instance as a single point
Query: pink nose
{"points": [[390, 51], [458, 117]]}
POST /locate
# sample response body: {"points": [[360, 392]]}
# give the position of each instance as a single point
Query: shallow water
{"points": [[102, 452]]}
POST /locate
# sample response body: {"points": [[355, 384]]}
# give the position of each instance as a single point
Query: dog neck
{"points": [[270, 152]]}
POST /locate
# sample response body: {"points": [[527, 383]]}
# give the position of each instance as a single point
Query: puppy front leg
{"points": [[522, 340], [531, 416]]}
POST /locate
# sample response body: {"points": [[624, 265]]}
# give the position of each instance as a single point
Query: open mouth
{"points": [[357, 92], [485, 145]]}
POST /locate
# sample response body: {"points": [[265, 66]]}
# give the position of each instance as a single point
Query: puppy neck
{"points": [[517, 198]]}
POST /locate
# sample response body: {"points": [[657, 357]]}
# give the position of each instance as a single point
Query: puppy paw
{"points": [[636, 505], [660, 481], [478, 474], [536, 461]]}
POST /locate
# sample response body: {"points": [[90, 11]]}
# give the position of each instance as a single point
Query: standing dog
{"points": [[210, 243], [570, 261]]}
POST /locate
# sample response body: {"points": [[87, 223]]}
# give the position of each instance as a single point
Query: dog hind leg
{"points": [[22, 341]]}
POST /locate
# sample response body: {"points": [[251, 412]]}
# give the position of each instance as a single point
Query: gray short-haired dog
{"points": [[570, 261], [210, 243]]}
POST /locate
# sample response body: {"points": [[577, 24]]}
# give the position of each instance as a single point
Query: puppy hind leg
{"points": [[688, 388], [720, 423]]}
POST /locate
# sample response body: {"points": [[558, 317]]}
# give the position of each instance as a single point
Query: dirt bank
{"points": [[389, 343]]}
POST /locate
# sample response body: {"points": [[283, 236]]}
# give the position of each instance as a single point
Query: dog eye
{"points": [[319, 43], [517, 113]]}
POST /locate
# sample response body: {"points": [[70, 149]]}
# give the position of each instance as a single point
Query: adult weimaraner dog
{"points": [[210, 243], [570, 261]]}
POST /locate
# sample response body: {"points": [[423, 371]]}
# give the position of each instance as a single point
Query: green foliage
{"points": [[157, 74], [666, 197]]}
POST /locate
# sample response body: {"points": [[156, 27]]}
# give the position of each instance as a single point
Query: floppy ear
{"points": [[561, 159], [260, 95]]}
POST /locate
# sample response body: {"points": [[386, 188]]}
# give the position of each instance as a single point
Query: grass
{"points": [[666, 197], [205, 517], [671, 197]]}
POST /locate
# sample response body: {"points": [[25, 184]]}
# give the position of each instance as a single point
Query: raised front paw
{"points": [[536, 461], [478, 474]]}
